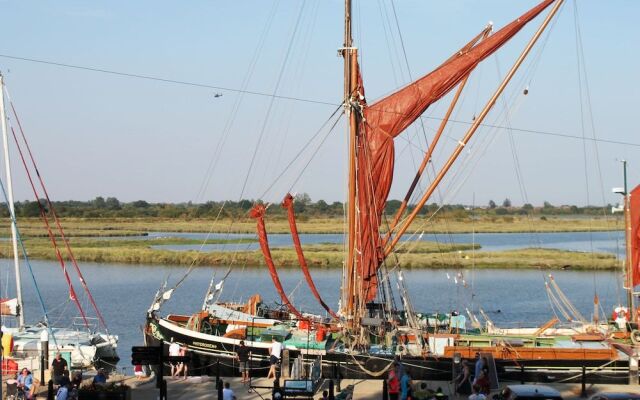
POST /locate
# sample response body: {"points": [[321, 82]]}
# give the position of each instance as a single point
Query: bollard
{"points": [[218, 383], [583, 379], [522, 374], [163, 391], [276, 386], [338, 378], [219, 388], [44, 353], [385, 390], [331, 393], [50, 390], [43, 366]]}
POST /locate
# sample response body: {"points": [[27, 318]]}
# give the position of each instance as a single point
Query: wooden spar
{"points": [[350, 82], [425, 160], [474, 127], [433, 144]]}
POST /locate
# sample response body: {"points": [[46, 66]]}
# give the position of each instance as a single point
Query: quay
{"points": [[195, 388]]}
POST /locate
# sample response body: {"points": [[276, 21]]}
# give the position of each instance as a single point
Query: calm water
{"points": [[609, 242], [124, 292]]}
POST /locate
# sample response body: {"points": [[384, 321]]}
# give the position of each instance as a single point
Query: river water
{"points": [[510, 297], [608, 242]]}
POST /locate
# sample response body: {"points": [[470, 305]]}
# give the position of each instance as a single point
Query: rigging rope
{"points": [[28, 263], [54, 214], [43, 215]]}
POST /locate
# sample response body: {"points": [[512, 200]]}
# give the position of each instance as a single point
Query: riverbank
{"points": [[83, 227], [416, 255]]}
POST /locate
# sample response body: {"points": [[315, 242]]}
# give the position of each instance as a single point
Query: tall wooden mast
{"points": [[350, 55]]}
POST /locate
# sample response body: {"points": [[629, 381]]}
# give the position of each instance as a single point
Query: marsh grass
{"points": [[418, 255], [106, 227]]}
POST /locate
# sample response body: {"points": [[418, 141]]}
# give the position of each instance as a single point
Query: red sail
{"points": [[634, 216], [288, 204], [257, 212], [386, 119]]}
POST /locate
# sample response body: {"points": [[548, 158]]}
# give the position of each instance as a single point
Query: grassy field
{"points": [[416, 255], [136, 226]]}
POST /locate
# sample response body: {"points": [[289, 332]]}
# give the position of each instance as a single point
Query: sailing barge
{"points": [[363, 337]]}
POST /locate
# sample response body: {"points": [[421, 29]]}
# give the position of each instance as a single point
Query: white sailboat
{"points": [[23, 342]]}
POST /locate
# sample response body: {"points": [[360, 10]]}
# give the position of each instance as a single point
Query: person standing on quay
{"points": [[174, 350], [274, 357], [59, 369], [242, 354]]}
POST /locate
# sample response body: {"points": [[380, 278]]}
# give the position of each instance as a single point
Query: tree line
{"points": [[111, 207]]}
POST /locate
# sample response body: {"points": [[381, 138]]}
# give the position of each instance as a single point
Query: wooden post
{"points": [[285, 364], [385, 390], [633, 369], [218, 382], [338, 377]]}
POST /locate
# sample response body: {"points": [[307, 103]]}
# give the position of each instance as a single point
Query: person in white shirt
{"points": [[227, 393], [274, 357], [476, 395], [174, 350]]}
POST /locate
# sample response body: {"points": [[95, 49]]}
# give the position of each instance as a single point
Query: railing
{"points": [[79, 322]]}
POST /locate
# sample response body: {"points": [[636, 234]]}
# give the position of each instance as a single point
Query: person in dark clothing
{"points": [[463, 380], [242, 354], [59, 369], [77, 380]]}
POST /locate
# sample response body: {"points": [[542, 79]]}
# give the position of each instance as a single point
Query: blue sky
{"points": [[97, 134]]}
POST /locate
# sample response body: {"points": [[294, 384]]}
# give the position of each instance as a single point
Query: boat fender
{"points": [[635, 336]]}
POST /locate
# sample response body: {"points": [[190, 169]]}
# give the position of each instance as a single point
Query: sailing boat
{"points": [[367, 332], [83, 343], [626, 318]]}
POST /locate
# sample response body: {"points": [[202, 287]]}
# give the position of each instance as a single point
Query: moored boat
{"points": [[368, 331]]}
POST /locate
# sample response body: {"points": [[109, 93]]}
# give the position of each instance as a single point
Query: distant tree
{"points": [[99, 202], [492, 204], [392, 206], [547, 205], [502, 211], [302, 201], [506, 203], [112, 203], [527, 207], [321, 206], [30, 209], [245, 204], [140, 204], [303, 198]]}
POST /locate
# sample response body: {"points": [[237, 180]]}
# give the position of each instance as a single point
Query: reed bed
{"points": [[105, 227], [427, 255]]}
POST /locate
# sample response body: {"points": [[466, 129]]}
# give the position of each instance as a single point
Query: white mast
{"points": [[14, 235]]}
